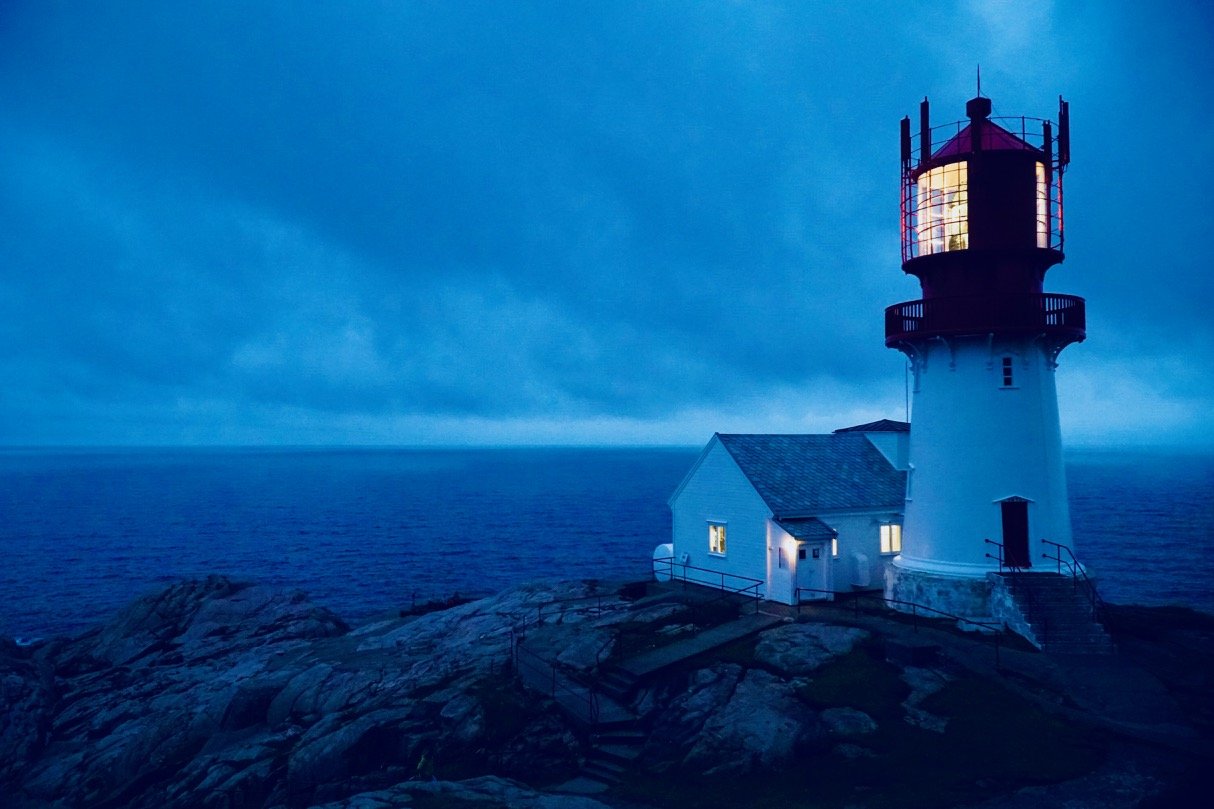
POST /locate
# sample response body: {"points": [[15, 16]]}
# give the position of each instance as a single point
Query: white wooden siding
{"points": [[717, 491]]}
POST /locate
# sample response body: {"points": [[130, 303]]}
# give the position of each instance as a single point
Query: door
{"points": [[812, 571], [1016, 532]]}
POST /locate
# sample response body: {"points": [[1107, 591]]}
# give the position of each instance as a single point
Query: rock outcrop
{"points": [[218, 693]]}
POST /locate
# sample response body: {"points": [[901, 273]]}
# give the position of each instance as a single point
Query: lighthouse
{"points": [[982, 224]]}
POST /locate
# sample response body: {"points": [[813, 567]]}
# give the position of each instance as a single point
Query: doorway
{"points": [[1016, 532], [812, 571]]}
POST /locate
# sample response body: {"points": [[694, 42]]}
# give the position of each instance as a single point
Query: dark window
{"points": [[1007, 372], [800, 553]]}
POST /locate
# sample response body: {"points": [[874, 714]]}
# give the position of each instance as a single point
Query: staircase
{"points": [[1056, 615], [613, 750], [618, 683]]}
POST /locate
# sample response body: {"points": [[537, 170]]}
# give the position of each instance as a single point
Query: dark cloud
{"points": [[382, 222]]}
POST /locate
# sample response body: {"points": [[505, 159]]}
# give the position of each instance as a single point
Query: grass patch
{"points": [[860, 679], [740, 651], [1029, 744], [637, 637]]}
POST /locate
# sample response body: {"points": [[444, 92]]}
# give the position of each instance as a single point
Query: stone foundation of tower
{"points": [[963, 596]]}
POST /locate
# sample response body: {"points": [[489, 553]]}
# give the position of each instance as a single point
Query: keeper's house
{"points": [[791, 517]]}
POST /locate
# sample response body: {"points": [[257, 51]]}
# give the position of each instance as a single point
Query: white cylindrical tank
{"points": [[862, 575]]}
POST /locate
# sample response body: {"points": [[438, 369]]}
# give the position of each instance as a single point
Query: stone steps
{"points": [[613, 751], [1058, 615], [618, 683]]}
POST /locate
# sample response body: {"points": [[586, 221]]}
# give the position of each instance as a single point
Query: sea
{"points": [[370, 531]]}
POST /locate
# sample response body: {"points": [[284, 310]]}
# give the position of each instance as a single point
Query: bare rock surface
{"points": [[731, 720], [847, 722], [801, 648], [473, 792], [759, 728], [251, 696], [923, 683], [215, 693]]}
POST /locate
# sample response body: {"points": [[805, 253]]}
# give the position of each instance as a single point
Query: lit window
{"points": [[941, 209], [1043, 208], [1008, 378], [834, 546], [716, 539], [891, 538]]}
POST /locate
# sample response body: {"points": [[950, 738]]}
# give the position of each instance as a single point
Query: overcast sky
{"points": [[563, 222]]}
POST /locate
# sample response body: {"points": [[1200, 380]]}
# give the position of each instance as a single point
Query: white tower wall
{"points": [[976, 442]]}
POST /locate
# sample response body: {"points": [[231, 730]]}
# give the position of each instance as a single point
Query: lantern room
{"points": [[981, 209], [986, 186]]}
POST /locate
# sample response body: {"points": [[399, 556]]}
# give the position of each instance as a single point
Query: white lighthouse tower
{"points": [[981, 225]]}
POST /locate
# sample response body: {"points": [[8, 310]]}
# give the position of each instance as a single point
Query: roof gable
{"points": [[801, 475], [881, 426], [691, 473]]}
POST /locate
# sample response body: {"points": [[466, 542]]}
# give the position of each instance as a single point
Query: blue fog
{"points": [[366, 531]]}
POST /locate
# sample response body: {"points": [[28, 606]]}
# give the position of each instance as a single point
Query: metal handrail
{"points": [[995, 629], [548, 668], [596, 598], [1046, 312], [750, 590], [1017, 125], [1077, 572], [1015, 574], [999, 557]]}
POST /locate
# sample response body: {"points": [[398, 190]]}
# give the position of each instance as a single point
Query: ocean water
{"points": [[364, 531]]}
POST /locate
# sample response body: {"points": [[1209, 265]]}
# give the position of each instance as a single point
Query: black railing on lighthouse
{"points": [[1079, 576], [1014, 575], [1046, 312]]}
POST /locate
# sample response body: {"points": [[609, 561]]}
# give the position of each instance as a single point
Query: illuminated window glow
{"points": [[716, 539], [834, 546], [1043, 208], [891, 538], [941, 209]]}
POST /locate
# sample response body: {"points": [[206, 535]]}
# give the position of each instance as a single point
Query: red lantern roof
{"points": [[993, 138]]}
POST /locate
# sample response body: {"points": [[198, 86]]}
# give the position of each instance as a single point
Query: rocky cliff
{"points": [[224, 694], [216, 693]]}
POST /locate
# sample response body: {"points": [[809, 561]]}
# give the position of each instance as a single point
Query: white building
{"points": [[791, 517]]}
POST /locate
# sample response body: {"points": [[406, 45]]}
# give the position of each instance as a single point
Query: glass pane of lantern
{"points": [[941, 209], [1043, 208]]}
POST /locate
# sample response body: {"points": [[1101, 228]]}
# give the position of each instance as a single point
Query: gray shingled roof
{"points": [[802, 475], [807, 528]]}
